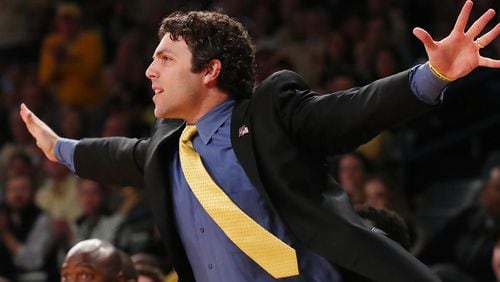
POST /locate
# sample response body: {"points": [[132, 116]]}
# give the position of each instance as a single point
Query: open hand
{"points": [[46, 138], [458, 54]]}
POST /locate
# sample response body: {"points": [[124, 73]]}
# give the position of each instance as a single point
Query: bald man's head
{"points": [[92, 260]]}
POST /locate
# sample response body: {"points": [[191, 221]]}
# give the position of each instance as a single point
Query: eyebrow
{"points": [[162, 52]]}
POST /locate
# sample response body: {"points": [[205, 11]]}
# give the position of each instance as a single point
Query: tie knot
{"points": [[188, 133]]}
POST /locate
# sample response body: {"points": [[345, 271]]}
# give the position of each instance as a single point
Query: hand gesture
{"points": [[46, 138], [458, 54]]}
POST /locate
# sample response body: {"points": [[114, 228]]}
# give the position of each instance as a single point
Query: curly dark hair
{"points": [[212, 35]]}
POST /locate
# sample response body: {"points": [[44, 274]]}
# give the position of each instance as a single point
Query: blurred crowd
{"points": [[80, 67]]}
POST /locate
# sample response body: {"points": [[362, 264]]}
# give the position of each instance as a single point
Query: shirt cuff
{"points": [[64, 151], [426, 86]]}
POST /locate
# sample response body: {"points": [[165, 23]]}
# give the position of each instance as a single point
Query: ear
{"points": [[212, 72]]}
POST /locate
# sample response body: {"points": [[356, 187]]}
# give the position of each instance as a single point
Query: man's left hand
{"points": [[458, 54]]}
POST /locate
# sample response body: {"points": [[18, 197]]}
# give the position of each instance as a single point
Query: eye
{"points": [[165, 59]]}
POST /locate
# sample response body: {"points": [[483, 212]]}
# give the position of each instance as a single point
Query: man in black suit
{"points": [[266, 149]]}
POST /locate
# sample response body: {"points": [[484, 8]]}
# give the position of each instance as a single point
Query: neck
{"points": [[212, 99]]}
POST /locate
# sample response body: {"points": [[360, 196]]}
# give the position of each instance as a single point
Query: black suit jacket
{"points": [[291, 130]]}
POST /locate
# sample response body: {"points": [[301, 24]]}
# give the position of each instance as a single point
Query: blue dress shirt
{"points": [[212, 255]]}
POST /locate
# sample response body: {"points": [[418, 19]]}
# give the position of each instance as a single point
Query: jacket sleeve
{"points": [[114, 160], [341, 121]]}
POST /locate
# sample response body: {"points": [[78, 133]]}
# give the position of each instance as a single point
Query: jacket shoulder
{"points": [[282, 80]]}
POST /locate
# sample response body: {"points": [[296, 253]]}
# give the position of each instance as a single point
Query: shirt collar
{"points": [[213, 120]]}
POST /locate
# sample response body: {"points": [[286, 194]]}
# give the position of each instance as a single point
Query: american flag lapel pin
{"points": [[243, 130]]}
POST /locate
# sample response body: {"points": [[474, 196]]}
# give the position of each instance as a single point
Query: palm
{"points": [[45, 137], [455, 55], [458, 54]]}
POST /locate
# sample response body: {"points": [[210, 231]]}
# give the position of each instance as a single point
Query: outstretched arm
{"points": [[457, 55], [114, 160], [341, 121]]}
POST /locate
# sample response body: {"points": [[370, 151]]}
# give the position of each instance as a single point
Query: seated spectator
{"points": [[58, 194], [26, 237], [21, 142], [382, 221], [92, 260], [96, 222], [128, 268], [387, 221], [19, 164], [148, 269], [466, 243], [136, 232], [71, 122], [379, 192], [58, 197], [352, 172]]}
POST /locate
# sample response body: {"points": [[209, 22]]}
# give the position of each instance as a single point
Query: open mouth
{"points": [[157, 91]]}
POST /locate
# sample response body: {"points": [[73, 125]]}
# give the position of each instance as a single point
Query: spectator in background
{"points": [[124, 76], [268, 61], [128, 268], [387, 62], [122, 120], [388, 221], [353, 169], [58, 194], [71, 61], [92, 259], [18, 165], [14, 28], [149, 270], [34, 94], [71, 122], [26, 237], [301, 42], [338, 55], [96, 222], [21, 142], [385, 222], [116, 124], [136, 232], [464, 247], [379, 192]]}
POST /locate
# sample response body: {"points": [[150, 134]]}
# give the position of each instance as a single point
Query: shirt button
{"points": [[210, 266], [202, 229]]}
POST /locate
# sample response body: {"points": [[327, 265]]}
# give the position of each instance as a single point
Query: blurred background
{"points": [[80, 67]]}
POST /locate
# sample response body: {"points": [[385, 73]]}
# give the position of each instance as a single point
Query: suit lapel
{"points": [[243, 146], [157, 187]]}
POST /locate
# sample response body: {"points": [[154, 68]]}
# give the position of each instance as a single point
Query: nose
{"points": [[151, 72]]}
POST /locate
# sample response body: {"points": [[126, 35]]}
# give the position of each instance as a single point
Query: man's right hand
{"points": [[46, 138]]}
